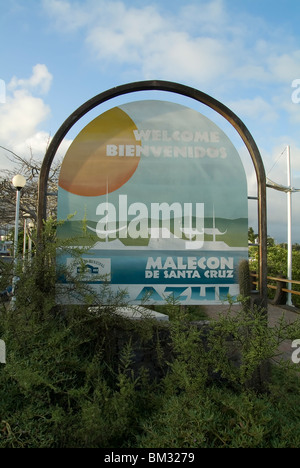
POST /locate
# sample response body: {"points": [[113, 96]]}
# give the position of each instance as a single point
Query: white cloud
{"points": [[23, 113], [197, 42], [20, 116], [291, 108], [251, 72], [210, 18], [285, 67], [177, 57], [40, 80], [254, 109], [190, 44], [36, 144], [67, 16]]}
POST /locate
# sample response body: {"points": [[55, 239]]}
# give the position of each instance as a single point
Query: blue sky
{"points": [[56, 54]]}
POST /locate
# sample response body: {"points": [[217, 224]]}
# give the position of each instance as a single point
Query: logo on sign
{"points": [[90, 268]]}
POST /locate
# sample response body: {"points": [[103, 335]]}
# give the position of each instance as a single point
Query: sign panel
{"points": [[164, 193]]}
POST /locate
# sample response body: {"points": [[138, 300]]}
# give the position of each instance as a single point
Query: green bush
{"points": [[71, 379], [222, 418]]}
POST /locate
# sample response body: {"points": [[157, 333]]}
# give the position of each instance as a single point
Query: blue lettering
{"points": [[223, 293], [148, 292], [210, 294], [177, 291]]}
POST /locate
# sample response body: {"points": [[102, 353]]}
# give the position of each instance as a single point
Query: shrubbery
{"points": [[64, 384]]}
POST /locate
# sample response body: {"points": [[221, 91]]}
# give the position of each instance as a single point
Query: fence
{"points": [[280, 287]]}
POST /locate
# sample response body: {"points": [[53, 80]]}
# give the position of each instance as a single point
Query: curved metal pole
{"points": [[157, 85]]}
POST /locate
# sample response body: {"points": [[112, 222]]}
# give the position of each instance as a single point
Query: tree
{"points": [[251, 235], [30, 169]]}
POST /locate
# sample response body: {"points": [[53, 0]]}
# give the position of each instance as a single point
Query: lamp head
{"points": [[19, 181]]}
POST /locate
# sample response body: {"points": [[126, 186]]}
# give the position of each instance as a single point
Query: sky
{"points": [[57, 54]]}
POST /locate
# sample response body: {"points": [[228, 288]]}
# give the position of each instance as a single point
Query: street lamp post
{"points": [[18, 182]]}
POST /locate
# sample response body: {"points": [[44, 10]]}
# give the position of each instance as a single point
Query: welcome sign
{"points": [[163, 192]]}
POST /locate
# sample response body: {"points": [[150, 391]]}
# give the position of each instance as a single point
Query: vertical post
{"points": [[18, 182], [289, 226], [30, 226], [15, 279], [24, 238], [18, 192], [262, 234]]}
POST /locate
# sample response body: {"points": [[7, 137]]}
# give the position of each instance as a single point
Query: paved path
{"points": [[275, 313]]}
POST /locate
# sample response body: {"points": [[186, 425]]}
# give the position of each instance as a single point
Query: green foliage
{"points": [[60, 387], [199, 411], [72, 379], [223, 419], [245, 281], [6, 269], [251, 235]]}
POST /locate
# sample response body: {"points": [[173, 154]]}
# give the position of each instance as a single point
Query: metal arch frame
{"points": [[158, 85]]}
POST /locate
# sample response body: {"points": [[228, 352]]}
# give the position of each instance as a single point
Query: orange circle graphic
{"points": [[102, 157]]}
